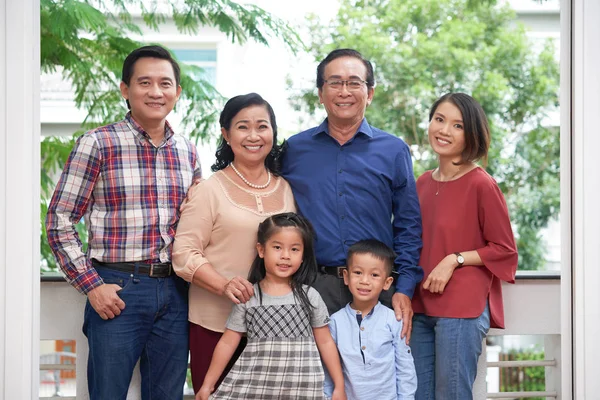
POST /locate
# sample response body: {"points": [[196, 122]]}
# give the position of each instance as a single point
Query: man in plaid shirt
{"points": [[128, 180]]}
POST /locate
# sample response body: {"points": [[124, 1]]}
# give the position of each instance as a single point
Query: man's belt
{"points": [[335, 271], [153, 270]]}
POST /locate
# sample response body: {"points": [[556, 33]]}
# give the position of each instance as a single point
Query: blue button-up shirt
{"points": [[377, 364], [360, 190]]}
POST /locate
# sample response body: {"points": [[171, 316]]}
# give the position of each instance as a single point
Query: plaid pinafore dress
{"points": [[281, 360]]}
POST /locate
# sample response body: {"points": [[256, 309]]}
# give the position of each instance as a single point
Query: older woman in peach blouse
{"points": [[215, 242]]}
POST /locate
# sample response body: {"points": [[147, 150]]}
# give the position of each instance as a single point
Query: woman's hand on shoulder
{"points": [[239, 290], [440, 276]]}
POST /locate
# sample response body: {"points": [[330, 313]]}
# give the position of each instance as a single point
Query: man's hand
{"points": [[403, 309], [106, 301]]}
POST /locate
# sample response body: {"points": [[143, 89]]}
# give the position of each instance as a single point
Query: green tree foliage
{"points": [[87, 41], [422, 49]]}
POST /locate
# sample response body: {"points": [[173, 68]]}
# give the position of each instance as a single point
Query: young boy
{"points": [[377, 364]]}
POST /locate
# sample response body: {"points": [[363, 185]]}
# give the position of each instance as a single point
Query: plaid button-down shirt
{"points": [[129, 192]]}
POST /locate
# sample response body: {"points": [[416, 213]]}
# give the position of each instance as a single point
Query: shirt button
{"points": [[364, 347], [362, 328], [341, 194], [340, 171], [342, 217]]}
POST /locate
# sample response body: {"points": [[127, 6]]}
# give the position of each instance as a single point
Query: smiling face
{"points": [[282, 253], [152, 91], [345, 107], [446, 132], [366, 277], [250, 135]]}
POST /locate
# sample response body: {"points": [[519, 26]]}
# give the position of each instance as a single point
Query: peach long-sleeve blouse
{"points": [[218, 225]]}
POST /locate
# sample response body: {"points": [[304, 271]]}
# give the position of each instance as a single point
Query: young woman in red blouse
{"points": [[468, 249]]}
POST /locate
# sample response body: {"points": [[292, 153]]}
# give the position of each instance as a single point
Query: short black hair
{"points": [[338, 53], [224, 153], [148, 52], [475, 125], [375, 248]]}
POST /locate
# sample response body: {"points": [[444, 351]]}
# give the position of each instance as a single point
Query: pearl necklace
{"points": [[247, 182], [444, 182]]}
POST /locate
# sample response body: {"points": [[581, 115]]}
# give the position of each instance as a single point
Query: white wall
{"points": [[19, 199], [585, 197]]}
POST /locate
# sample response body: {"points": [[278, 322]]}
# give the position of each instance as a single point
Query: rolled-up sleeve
{"points": [[193, 232], [69, 203]]}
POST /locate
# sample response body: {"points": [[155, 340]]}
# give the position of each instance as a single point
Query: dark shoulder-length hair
{"points": [[475, 126], [224, 154], [307, 273]]}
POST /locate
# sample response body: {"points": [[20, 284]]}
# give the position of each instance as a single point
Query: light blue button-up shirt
{"points": [[377, 364]]}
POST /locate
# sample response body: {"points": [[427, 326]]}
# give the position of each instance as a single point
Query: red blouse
{"points": [[468, 213]]}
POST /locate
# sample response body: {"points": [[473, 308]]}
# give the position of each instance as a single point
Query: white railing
{"points": [[61, 318], [531, 308]]}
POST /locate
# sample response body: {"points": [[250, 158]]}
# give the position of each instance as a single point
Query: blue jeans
{"points": [[446, 351], [153, 328]]}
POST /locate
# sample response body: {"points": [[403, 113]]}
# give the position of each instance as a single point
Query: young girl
{"points": [[282, 322], [468, 248]]}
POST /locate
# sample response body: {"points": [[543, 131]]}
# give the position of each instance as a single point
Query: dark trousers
{"points": [[202, 345], [336, 295]]}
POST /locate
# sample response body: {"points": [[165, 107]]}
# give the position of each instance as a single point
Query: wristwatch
{"points": [[460, 260]]}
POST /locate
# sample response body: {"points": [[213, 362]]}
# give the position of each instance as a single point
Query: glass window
{"points": [[203, 58]]}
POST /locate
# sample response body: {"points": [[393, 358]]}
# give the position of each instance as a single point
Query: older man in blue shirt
{"points": [[354, 181]]}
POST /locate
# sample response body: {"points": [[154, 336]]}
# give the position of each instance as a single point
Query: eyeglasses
{"points": [[351, 84]]}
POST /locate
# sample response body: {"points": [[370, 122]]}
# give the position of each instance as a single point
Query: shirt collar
{"points": [[352, 311], [143, 135], [364, 128]]}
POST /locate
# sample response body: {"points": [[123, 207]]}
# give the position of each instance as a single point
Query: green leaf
{"points": [[87, 40], [422, 49]]}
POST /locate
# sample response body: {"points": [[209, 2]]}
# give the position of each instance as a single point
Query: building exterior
{"points": [[232, 68], [569, 308]]}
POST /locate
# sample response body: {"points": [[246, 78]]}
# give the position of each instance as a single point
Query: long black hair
{"points": [[307, 272], [224, 153]]}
